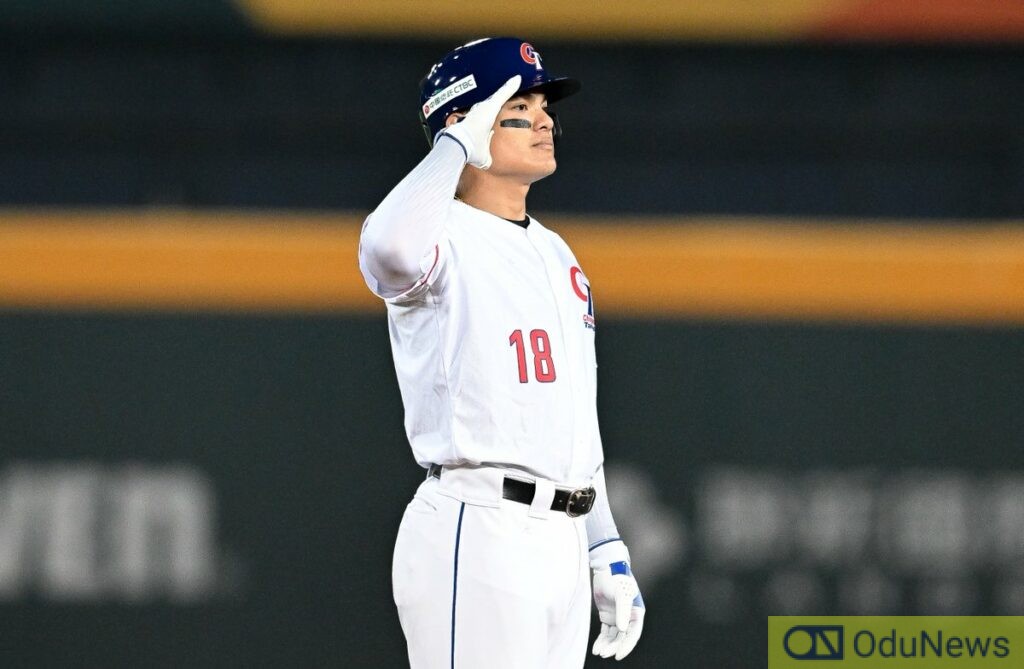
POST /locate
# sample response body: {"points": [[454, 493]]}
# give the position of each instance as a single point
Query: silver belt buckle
{"points": [[580, 502]]}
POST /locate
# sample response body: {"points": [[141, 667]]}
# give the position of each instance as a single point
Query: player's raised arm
{"points": [[404, 229], [399, 241]]}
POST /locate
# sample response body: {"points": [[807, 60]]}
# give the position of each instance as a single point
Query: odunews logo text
{"points": [[966, 641]]}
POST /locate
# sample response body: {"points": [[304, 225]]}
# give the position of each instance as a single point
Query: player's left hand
{"points": [[620, 608]]}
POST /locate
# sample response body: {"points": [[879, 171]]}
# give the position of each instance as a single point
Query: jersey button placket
{"points": [[552, 269]]}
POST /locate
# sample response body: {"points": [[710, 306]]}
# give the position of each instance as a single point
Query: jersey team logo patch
{"points": [[464, 85], [581, 286]]}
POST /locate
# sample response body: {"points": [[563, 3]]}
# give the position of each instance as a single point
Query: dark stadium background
{"points": [[196, 471]]}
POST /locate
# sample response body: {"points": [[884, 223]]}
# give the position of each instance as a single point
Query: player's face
{"points": [[526, 152]]}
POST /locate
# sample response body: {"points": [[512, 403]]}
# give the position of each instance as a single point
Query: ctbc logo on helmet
{"points": [[464, 85], [530, 55]]}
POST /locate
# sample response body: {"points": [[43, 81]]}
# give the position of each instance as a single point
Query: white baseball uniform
{"points": [[492, 331]]}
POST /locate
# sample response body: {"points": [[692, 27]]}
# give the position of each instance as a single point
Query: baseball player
{"points": [[492, 329]]}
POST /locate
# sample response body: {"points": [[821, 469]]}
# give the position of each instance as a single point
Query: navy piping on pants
{"points": [[455, 577]]}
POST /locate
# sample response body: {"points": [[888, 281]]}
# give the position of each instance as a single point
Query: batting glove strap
{"points": [[475, 129]]}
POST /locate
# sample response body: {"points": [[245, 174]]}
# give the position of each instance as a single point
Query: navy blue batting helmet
{"points": [[474, 71]]}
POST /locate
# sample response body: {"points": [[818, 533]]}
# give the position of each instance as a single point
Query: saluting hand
{"points": [[474, 130]]}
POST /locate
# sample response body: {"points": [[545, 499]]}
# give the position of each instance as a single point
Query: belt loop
{"points": [[544, 494]]}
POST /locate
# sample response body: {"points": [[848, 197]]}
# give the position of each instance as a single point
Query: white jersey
{"points": [[492, 331], [494, 351]]}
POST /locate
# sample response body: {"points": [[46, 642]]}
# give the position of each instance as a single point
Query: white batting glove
{"points": [[619, 603], [475, 129]]}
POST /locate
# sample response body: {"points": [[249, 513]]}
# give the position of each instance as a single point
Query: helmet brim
{"points": [[557, 89]]}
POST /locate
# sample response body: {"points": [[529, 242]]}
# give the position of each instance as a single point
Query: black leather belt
{"points": [[572, 502]]}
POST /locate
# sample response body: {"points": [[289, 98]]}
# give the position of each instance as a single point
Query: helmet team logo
{"points": [[581, 287], [464, 85], [530, 55]]}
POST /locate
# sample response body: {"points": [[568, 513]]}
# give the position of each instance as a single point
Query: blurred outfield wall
{"points": [[211, 490], [807, 254]]}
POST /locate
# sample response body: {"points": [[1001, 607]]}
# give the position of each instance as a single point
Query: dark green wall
{"points": [[185, 119], [294, 425]]}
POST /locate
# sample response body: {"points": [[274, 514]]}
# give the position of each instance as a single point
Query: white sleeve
{"points": [[605, 544], [400, 245]]}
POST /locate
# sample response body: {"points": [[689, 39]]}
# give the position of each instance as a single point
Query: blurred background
{"points": [[804, 225]]}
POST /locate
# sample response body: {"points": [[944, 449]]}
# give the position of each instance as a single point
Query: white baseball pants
{"points": [[490, 583]]}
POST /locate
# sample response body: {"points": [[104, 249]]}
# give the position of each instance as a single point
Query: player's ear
{"points": [[454, 117]]}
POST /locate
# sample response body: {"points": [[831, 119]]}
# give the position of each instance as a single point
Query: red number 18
{"points": [[543, 365]]}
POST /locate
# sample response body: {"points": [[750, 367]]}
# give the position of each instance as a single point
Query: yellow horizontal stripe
{"points": [[176, 260], [646, 268], [776, 269], [564, 19]]}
